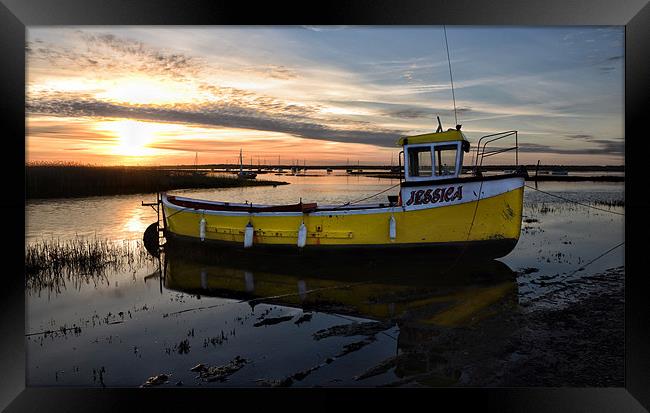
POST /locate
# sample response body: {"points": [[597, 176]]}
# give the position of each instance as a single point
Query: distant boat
{"points": [[196, 166], [329, 170], [244, 174]]}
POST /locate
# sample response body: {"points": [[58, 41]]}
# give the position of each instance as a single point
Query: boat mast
{"points": [[241, 161]]}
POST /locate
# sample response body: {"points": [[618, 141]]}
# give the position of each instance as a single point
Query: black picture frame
{"points": [[15, 15]]}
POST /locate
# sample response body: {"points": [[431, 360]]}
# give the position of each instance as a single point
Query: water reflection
{"points": [[415, 289], [135, 221], [419, 299]]}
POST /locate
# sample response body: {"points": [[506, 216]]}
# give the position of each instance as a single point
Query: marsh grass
{"points": [[51, 263], [61, 180], [611, 203]]}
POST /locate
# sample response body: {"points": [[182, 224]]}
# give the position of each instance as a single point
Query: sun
{"points": [[132, 138]]}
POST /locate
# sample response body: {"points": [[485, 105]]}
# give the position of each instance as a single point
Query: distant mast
{"points": [[241, 162]]}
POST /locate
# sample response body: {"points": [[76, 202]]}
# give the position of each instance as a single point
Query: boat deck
{"points": [[249, 207]]}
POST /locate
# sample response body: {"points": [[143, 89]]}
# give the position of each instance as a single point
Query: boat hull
{"points": [[488, 226], [442, 251]]}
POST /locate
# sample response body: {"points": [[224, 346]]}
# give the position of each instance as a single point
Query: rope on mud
{"points": [[582, 267], [368, 197], [575, 202], [597, 258]]}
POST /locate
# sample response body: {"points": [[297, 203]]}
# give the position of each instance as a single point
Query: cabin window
{"points": [[445, 156], [420, 161]]}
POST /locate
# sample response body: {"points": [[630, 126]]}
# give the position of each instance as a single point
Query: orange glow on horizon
{"points": [[133, 142]]}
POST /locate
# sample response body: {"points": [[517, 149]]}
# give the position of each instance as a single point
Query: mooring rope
{"points": [[575, 202], [368, 197], [180, 210], [580, 268], [471, 225]]}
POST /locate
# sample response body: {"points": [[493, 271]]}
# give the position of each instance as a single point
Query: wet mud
{"points": [[580, 345]]}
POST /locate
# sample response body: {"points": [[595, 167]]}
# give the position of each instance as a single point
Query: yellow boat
{"points": [[439, 208]]}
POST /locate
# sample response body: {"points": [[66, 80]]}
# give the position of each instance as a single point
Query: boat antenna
{"points": [[453, 95]]}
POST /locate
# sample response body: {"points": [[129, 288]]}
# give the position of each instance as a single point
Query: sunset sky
{"points": [[320, 94]]}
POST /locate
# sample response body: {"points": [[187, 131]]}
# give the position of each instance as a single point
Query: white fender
{"points": [[302, 235], [248, 236], [392, 228], [202, 224]]}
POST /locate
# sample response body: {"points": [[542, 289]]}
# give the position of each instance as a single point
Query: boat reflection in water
{"points": [[425, 299]]}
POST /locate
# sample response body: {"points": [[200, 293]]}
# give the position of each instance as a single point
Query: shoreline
{"points": [[539, 178], [48, 182]]}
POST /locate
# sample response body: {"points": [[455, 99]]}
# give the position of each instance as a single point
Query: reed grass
{"points": [[62, 180], [612, 203], [50, 263]]}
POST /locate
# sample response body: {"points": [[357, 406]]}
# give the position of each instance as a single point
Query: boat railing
{"points": [[483, 152]]}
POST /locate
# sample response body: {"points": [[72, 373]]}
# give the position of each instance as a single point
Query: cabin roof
{"points": [[451, 135]]}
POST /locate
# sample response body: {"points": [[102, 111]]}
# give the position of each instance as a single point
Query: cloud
{"points": [[580, 136], [410, 114], [266, 116], [103, 53], [285, 84], [69, 131], [413, 113], [325, 28], [604, 147], [273, 71]]}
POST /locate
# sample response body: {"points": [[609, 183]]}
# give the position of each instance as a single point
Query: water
{"points": [[136, 323]]}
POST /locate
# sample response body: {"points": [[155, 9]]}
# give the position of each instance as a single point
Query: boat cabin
{"points": [[433, 156]]}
